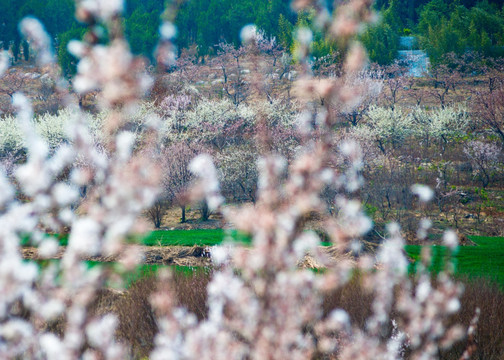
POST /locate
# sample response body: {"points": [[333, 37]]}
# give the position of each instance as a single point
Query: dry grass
{"points": [[197, 256], [489, 336], [353, 298], [137, 324], [482, 293]]}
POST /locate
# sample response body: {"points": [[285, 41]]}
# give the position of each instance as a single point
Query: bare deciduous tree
{"points": [[489, 107]]}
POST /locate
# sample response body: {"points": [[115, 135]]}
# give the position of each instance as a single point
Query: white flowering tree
{"points": [[449, 124], [237, 165], [175, 159], [444, 125], [387, 127], [367, 86], [219, 123]]}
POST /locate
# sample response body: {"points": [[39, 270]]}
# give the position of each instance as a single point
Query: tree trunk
{"points": [[183, 217], [205, 212], [157, 222]]}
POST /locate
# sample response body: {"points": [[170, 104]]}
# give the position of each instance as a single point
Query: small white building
{"points": [[416, 60]]}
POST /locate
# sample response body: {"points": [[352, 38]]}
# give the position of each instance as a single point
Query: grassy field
{"points": [[199, 237], [205, 237], [485, 260]]}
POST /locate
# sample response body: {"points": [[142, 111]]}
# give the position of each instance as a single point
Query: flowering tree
{"points": [[367, 87], [489, 106], [182, 73], [268, 76], [238, 169], [177, 178], [173, 109], [448, 124], [444, 80], [269, 308], [219, 123], [275, 127], [484, 158], [386, 127]]}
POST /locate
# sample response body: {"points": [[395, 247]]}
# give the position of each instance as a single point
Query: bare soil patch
{"points": [[167, 255]]}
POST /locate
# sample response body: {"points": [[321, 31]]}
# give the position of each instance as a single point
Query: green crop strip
{"points": [[201, 237], [485, 260]]}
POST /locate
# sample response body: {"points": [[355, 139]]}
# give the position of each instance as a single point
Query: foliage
{"points": [[285, 30], [454, 28], [382, 40], [142, 31], [444, 26], [207, 23], [382, 43], [66, 60]]}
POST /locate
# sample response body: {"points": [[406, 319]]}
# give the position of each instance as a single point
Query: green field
{"points": [[485, 260], [205, 237], [199, 237]]}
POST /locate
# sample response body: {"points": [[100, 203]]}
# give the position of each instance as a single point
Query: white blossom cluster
{"points": [[53, 128], [394, 126]]}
